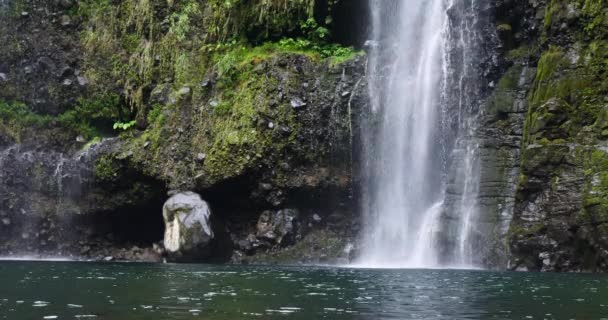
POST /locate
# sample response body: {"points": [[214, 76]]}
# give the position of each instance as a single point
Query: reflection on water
{"points": [[60, 290]]}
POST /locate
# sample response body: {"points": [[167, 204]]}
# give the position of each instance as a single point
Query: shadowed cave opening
{"points": [[238, 203], [351, 22], [141, 225], [234, 211]]}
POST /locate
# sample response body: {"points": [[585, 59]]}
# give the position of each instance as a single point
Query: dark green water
{"points": [[61, 290]]}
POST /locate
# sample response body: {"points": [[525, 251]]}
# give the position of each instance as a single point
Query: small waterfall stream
{"points": [[420, 88], [40, 193]]}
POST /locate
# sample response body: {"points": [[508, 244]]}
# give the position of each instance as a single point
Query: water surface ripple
{"points": [[63, 290]]}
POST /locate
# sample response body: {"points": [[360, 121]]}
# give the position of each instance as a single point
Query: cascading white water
{"points": [[464, 46], [404, 191], [406, 160]]}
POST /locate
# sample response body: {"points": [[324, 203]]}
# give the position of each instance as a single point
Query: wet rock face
{"points": [[38, 192], [542, 140], [278, 227], [54, 203], [559, 218], [305, 236], [187, 226], [499, 139]]}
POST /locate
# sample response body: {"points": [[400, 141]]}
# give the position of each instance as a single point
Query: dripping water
{"points": [[41, 193]]}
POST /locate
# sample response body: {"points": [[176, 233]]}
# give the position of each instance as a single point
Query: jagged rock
{"points": [[82, 81], [297, 103], [65, 20], [184, 91], [245, 245], [521, 269], [278, 227], [187, 226], [545, 257], [160, 94]]}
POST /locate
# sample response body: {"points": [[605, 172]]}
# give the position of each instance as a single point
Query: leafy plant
{"points": [[313, 31], [124, 125], [86, 118], [180, 25]]}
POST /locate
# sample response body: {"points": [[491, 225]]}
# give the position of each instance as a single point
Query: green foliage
{"points": [[130, 45], [230, 60], [325, 50], [16, 118], [260, 19], [86, 118], [594, 18], [313, 31], [316, 40], [181, 20], [595, 14], [93, 114], [107, 107], [124, 126], [106, 169], [155, 113], [223, 108]]}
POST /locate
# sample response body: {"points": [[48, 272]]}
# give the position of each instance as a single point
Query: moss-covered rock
{"points": [[282, 108], [559, 222]]}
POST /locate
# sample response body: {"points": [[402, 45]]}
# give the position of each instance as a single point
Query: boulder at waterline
{"points": [[187, 226]]}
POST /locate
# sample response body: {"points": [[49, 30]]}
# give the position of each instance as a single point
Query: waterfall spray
{"points": [[411, 144]]}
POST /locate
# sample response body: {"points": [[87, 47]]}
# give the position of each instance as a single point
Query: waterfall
{"points": [[421, 127]]}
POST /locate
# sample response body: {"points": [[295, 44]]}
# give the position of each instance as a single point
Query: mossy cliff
{"points": [[560, 217], [250, 103], [542, 137]]}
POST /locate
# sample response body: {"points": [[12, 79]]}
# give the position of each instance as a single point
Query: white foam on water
{"points": [[35, 258]]}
